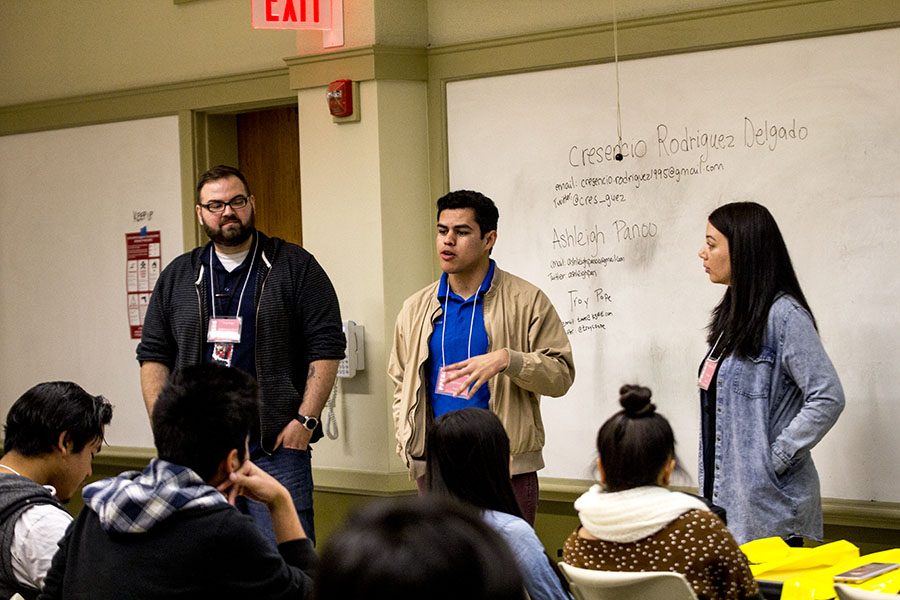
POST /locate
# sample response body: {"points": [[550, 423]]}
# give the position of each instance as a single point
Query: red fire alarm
{"points": [[340, 98]]}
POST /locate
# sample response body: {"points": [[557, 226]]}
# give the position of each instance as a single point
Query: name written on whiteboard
{"points": [[755, 132], [770, 134], [142, 215], [587, 316], [593, 237], [587, 300]]}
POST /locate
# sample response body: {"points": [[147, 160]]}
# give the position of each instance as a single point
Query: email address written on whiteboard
{"points": [[582, 249]]}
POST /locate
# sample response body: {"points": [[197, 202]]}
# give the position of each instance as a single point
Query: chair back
{"points": [[588, 584], [846, 592]]}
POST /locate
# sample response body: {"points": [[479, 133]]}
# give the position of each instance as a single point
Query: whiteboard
{"points": [[809, 128], [67, 199]]}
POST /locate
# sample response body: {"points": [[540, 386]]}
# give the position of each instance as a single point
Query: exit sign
{"points": [[291, 14]]}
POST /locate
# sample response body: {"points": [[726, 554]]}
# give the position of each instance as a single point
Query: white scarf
{"points": [[633, 514]]}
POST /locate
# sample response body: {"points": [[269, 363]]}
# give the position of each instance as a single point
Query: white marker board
{"points": [[67, 199], [810, 128]]}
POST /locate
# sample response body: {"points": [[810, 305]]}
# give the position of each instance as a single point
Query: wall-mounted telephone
{"points": [[354, 360], [355, 357]]}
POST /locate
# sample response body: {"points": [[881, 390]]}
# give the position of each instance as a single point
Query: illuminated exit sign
{"points": [[291, 14]]}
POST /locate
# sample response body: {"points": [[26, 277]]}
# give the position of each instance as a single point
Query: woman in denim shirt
{"points": [[768, 390]]}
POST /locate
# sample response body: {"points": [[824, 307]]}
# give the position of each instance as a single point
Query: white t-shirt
{"points": [[37, 534], [232, 261]]}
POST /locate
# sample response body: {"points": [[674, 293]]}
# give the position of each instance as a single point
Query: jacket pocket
{"points": [[753, 378]]}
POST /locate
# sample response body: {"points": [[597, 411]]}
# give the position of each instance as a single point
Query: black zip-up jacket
{"points": [[298, 320], [212, 552]]}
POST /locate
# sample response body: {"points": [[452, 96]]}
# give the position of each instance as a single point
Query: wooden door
{"points": [[269, 155]]}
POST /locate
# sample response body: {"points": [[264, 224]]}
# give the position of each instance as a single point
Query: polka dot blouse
{"points": [[696, 544]]}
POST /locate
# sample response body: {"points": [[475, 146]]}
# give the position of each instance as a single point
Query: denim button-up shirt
{"points": [[770, 412]]}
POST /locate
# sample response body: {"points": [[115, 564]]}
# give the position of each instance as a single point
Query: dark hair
{"points": [[221, 172], [468, 459], [635, 443], [413, 548], [203, 413], [41, 414], [486, 214], [761, 269]]}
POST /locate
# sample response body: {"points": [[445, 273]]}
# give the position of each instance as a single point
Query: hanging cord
{"points": [[331, 426], [616, 58]]}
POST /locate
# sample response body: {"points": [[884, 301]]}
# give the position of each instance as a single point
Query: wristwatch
{"points": [[309, 422]]}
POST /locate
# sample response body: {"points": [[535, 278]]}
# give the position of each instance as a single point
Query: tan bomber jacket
{"points": [[517, 316]]}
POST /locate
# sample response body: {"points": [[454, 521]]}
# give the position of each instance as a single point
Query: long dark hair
{"points": [[635, 443], [468, 459], [761, 269]]}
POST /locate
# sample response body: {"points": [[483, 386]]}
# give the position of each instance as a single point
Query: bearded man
{"points": [[262, 305]]}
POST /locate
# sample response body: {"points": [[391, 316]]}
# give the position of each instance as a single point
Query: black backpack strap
{"points": [[28, 502]]}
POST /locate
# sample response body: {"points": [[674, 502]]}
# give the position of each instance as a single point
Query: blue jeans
{"points": [[293, 469]]}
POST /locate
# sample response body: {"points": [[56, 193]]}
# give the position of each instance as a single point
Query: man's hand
{"points": [[294, 436], [252, 482], [477, 370]]}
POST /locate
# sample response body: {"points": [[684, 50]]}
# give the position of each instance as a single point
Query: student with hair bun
{"points": [[631, 521]]}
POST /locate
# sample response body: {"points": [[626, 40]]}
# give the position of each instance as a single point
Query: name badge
{"points": [[224, 330], [223, 353], [451, 387], [706, 375]]}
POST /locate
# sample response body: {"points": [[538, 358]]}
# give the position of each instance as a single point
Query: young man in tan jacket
{"points": [[477, 337]]}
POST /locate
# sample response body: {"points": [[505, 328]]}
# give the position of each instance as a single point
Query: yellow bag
{"points": [[773, 554], [808, 573]]}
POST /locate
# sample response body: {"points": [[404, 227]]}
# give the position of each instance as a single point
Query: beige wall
{"points": [[362, 187], [60, 48], [460, 21], [367, 22]]}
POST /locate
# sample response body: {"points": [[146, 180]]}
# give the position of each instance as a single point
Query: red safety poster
{"points": [[141, 275]]}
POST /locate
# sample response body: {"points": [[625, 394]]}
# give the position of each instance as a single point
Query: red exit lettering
{"points": [[289, 14]]}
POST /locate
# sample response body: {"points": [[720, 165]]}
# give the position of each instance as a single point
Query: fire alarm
{"points": [[340, 98]]}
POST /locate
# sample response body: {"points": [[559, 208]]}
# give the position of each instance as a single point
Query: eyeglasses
{"points": [[217, 206]]}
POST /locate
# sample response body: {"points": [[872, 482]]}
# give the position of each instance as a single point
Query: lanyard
{"points": [[709, 354], [446, 320], [11, 470], [212, 280], [710, 364]]}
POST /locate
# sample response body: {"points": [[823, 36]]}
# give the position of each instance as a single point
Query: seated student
{"points": [[633, 522], [52, 432], [468, 459], [417, 548], [171, 531]]}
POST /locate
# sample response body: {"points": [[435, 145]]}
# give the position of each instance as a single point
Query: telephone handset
{"points": [[354, 360], [355, 355]]}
